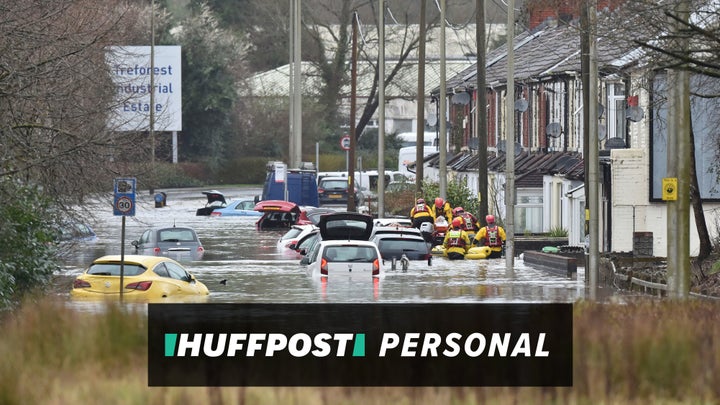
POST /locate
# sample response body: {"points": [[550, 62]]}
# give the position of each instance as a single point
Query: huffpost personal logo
{"points": [[263, 344], [348, 344]]}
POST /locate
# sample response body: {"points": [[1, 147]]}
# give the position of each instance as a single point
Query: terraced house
{"points": [[548, 142]]}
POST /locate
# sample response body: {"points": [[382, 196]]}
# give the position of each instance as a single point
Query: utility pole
{"points": [[353, 93], [593, 157], [296, 133], [679, 154], [510, 144], [443, 109], [420, 114], [481, 111], [381, 111]]}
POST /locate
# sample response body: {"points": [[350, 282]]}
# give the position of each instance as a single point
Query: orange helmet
{"points": [[490, 219], [439, 202], [420, 201], [458, 210], [457, 222]]}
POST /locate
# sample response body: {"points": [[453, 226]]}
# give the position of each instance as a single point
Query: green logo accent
{"points": [[170, 340], [359, 348]]}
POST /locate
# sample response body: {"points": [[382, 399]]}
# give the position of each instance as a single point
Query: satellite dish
{"points": [[601, 110], [602, 132], [518, 148], [431, 120], [634, 113], [501, 146], [553, 129], [461, 98], [473, 143], [521, 105]]}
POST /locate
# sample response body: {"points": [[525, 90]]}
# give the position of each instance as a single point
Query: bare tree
{"points": [[56, 92]]}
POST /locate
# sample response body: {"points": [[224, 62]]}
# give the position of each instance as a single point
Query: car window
{"points": [[348, 253], [176, 271], [293, 232], [145, 238], [402, 245], [246, 205], [113, 269], [177, 235], [334, 184], [161, 270]]}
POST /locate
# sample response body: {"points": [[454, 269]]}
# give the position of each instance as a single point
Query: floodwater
{"points": [[256, 270]]}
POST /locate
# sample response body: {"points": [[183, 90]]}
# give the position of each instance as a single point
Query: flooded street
{"points": [[256, 270]]}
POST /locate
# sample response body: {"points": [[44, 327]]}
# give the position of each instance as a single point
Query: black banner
{"points": [[360, 345]]}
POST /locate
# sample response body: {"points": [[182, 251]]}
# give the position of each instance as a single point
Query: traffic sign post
{"points": [[124, 205]]}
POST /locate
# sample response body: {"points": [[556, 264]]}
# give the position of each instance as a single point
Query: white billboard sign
{"points": [[130, 69]]}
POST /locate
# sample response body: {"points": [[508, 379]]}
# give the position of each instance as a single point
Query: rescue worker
{"points": [[469, 224], [420, 213], [442, 208], [492, 236], [456, 242]]}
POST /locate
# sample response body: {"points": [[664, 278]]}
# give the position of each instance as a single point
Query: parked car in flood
{"points": [[178, 243], [279, 214], [144, 278], [344, 249], [215, 199], [237, 208]]}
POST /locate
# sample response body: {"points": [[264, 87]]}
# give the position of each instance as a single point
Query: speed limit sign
{"points": [[125, 205], [124, 202]]}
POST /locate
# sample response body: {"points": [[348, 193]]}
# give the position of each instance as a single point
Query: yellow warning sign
{"points": [[669, 189]]}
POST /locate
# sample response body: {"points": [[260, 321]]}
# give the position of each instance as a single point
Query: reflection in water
{"points": [[257, 271]]}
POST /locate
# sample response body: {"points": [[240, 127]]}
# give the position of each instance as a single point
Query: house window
{"points": [[529, 212], [616, 120]]}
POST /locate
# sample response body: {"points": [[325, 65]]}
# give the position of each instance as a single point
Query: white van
{"points": [[410, 139], [408, 155]]}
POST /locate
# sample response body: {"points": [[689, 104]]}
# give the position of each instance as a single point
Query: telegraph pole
{"points": [[353, 141], [443, 109], [420, 130], [481, 111], [510, 144], [381, 111], [593, 157]]}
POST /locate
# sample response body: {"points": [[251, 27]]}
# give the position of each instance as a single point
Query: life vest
{"points": [[455, 239], [493, 237], [421, 208]]}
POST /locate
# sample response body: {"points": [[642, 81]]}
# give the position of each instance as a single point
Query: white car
{"points": [[344, 249], [293, 235]]}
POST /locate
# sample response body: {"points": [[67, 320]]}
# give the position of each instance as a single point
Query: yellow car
{"points": [[149, 278]]}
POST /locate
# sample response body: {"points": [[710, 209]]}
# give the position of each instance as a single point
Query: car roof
{"points": [[396, 230], [409, 236], [214, 195], [144, 260], [345, 225]]}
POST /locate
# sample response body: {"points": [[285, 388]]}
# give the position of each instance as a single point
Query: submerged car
{"points": [[344, 248], [237, 208], [279, 214], [143, 277], [215, 199], [395, 246], [178, 243]]}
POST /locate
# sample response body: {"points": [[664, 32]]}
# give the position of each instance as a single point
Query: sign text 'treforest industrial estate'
{"points": [[131, 69]]}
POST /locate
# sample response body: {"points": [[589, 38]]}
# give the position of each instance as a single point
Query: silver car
{"points": [[178, 243]]}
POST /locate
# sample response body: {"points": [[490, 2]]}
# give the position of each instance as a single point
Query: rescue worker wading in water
{"points": [[442, 208], [456, 241], [421, 213], [492, 236]]}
